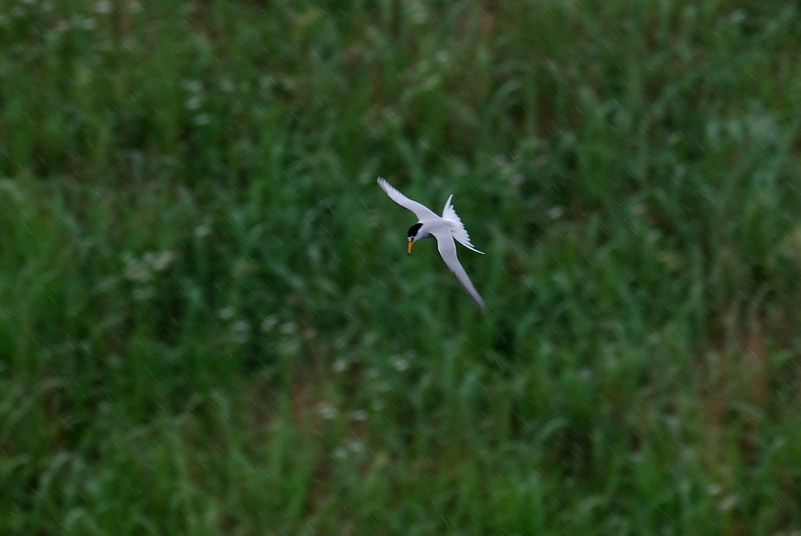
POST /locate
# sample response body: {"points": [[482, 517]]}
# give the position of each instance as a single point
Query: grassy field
{"points": [[209, 323]]}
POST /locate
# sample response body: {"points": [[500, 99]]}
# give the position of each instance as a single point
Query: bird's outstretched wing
{"points": [[420, 210], [457, 227], [447, 249]]}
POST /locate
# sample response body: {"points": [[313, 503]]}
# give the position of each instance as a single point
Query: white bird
{"points": [[445, 229]]}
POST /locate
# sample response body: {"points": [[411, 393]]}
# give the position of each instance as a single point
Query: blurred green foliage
{"points": [[209, 324]]}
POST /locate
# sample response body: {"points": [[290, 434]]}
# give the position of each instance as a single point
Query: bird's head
{"points": [[413, 230]]}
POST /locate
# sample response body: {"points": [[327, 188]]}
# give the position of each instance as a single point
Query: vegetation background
{"points": [[209, 323]]}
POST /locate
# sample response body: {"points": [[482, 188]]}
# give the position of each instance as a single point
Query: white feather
{"points": [[458, 230]]}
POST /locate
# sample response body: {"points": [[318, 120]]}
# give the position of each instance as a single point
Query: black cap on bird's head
{"points": [[412, 234]]}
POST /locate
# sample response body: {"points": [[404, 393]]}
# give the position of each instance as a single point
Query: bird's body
{"points": [[446, 229]]}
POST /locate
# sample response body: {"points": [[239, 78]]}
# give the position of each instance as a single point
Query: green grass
{"points": [[209, 324]]}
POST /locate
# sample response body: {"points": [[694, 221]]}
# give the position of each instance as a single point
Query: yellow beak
{"points": [[409, 251]]}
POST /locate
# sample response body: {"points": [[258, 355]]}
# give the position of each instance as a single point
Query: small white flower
{"points": [[268, 323], [194, 102], [202, 231], [400, 363], [137, 270], [326, 410], [556, 212], [201, 120], [355, 446], [288, 328], [103, 7], [359, 415], [728, 502], [163, 260]]}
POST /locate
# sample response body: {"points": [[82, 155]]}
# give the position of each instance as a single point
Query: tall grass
{"points": [[209, 325]]}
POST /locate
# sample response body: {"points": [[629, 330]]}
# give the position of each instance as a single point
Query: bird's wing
{"points": [[447, 249], [459, 232], [420, 210]]}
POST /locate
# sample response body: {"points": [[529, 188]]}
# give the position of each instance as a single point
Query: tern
{"points": [[445, 229]]}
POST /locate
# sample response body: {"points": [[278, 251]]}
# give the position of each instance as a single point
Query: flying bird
{"points": [[445, 229]]}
